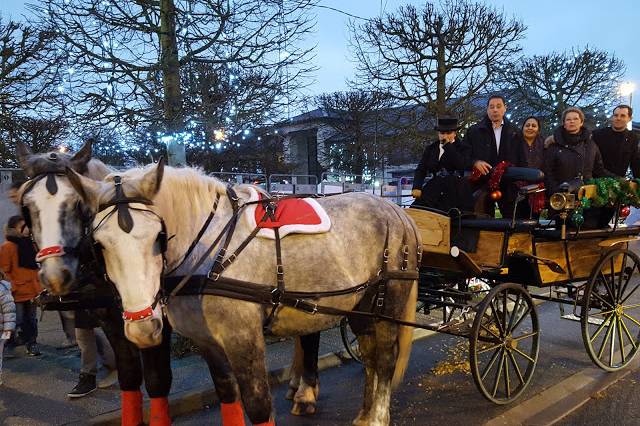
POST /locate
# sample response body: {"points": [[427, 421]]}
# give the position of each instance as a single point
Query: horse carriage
{"points": [[482, 277], [163, 249]]}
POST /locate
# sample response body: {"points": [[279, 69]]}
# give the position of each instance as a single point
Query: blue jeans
{"points": [[27, 322]]}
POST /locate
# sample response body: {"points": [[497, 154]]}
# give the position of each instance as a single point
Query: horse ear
{"points": [[23, 153], [150, 182], [82, 157], [87, 188]]}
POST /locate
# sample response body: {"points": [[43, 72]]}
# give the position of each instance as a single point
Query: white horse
{"points": [[364, 230]]}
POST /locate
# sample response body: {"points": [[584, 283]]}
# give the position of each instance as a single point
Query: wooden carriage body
{"points": [[509, 251]]}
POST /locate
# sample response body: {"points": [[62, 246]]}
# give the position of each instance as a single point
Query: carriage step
{"points": [[572, 317]]}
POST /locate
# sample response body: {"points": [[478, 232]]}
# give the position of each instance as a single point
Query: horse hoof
{"points": [[303, 409], [291, 392]]}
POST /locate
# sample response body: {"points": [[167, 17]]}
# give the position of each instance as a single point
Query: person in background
{"points": [[533, 143], [618, 145], [492, 140], [93, 344], [445, 160], [18, 262], [7, 316]]}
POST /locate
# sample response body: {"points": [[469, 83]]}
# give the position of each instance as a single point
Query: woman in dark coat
{"points": [[570, 153], [445, 160], [572, 156], [533, 143]]}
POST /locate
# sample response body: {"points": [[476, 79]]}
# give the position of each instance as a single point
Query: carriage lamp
{"points": [[624, 211], [563, 201]]}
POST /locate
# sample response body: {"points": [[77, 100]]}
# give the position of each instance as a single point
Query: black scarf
{"points": [[26, 251], [573, 139]]}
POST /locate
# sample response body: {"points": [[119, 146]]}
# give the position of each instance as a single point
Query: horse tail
{"points": [[405, 336]]}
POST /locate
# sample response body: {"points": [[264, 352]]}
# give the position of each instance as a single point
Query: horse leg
{"points": [[128, 364], [246, 354], [226, 385], [295, 370], [304, 401], [366, 342], [156, 362]]}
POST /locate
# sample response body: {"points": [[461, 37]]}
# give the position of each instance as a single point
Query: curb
{"points": [[552, 404], [189, 401]]}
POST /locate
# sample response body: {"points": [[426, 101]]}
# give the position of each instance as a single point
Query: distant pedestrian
{"points": [[7, 316], [18, 262]]}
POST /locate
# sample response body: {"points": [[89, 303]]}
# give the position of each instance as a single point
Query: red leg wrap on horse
{"points": [[131, 408], [232, 414], [159, 412]]}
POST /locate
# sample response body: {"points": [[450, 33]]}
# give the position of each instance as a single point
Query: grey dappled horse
{"points": [[230, 331]]}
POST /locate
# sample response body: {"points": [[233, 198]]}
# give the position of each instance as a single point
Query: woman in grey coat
{"points": [[7, 315]]}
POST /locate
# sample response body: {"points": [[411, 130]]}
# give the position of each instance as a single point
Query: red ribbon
{"points": [[138, 315]]}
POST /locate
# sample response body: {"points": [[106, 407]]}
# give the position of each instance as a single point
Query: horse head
{"points": [[132, 240], [54, 213]]}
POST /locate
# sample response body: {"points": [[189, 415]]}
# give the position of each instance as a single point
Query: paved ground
{"points": [[35, 388], [429, 399]]}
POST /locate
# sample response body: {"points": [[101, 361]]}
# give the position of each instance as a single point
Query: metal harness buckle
{"points": [[213, 276]]}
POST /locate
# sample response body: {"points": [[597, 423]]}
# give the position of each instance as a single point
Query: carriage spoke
{"points": [[632, 319], [483, 350], [630, 294], [497, 319], [492, 361], [516, 306], [606, 302], [488, 330], [507, 381], [516, 367], [522, 318], [525, 336], [606, 339], [504, 311], [621, 340], [600, 328], [603, 313], [498, 374], [626, 282], [626, 331], [618, 290], [605, 283], [524, 355], [627, 307], [613, 340]]}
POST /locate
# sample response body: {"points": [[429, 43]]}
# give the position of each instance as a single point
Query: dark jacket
{"points": [[619, 150], [448, 188], [453, 159], [568, 157], [534, 154], [481, 142]]}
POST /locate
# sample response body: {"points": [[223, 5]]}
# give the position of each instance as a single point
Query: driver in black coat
{"points": [[445, 160]]}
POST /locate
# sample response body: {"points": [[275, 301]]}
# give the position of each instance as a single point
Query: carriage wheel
{"points": [[350, 341], [611, 310], [504, 343]]}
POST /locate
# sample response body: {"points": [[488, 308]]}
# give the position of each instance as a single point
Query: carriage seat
{"points": [[489, 224]]}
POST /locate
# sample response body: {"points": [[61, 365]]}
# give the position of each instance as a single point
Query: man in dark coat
{"points": [[619, 146], [445, 161], [492, 140]]}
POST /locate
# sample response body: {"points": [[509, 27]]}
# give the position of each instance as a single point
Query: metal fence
{"points": [[293, 184]]}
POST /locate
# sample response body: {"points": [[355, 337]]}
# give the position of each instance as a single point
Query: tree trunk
{"points": [[171, 82], [441, 98]]}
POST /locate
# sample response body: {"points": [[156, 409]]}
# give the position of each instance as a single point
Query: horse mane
{"points": [[97, 170]]}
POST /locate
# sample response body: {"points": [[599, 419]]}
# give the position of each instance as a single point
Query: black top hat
{"points": [[447, 123]]}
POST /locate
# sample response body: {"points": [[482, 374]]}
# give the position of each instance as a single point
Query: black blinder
{"points": [[26, 216], [163, 240]]}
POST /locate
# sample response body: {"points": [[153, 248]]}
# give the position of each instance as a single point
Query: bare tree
{"points": [[439, 57], [128, 60], [545, 85], [27, 63], [356, 148]]}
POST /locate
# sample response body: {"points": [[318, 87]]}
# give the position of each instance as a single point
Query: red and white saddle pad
{"points": [[293, 216]]}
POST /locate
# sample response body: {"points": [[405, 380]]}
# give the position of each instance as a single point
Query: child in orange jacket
{"points": [[17, 261]]}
